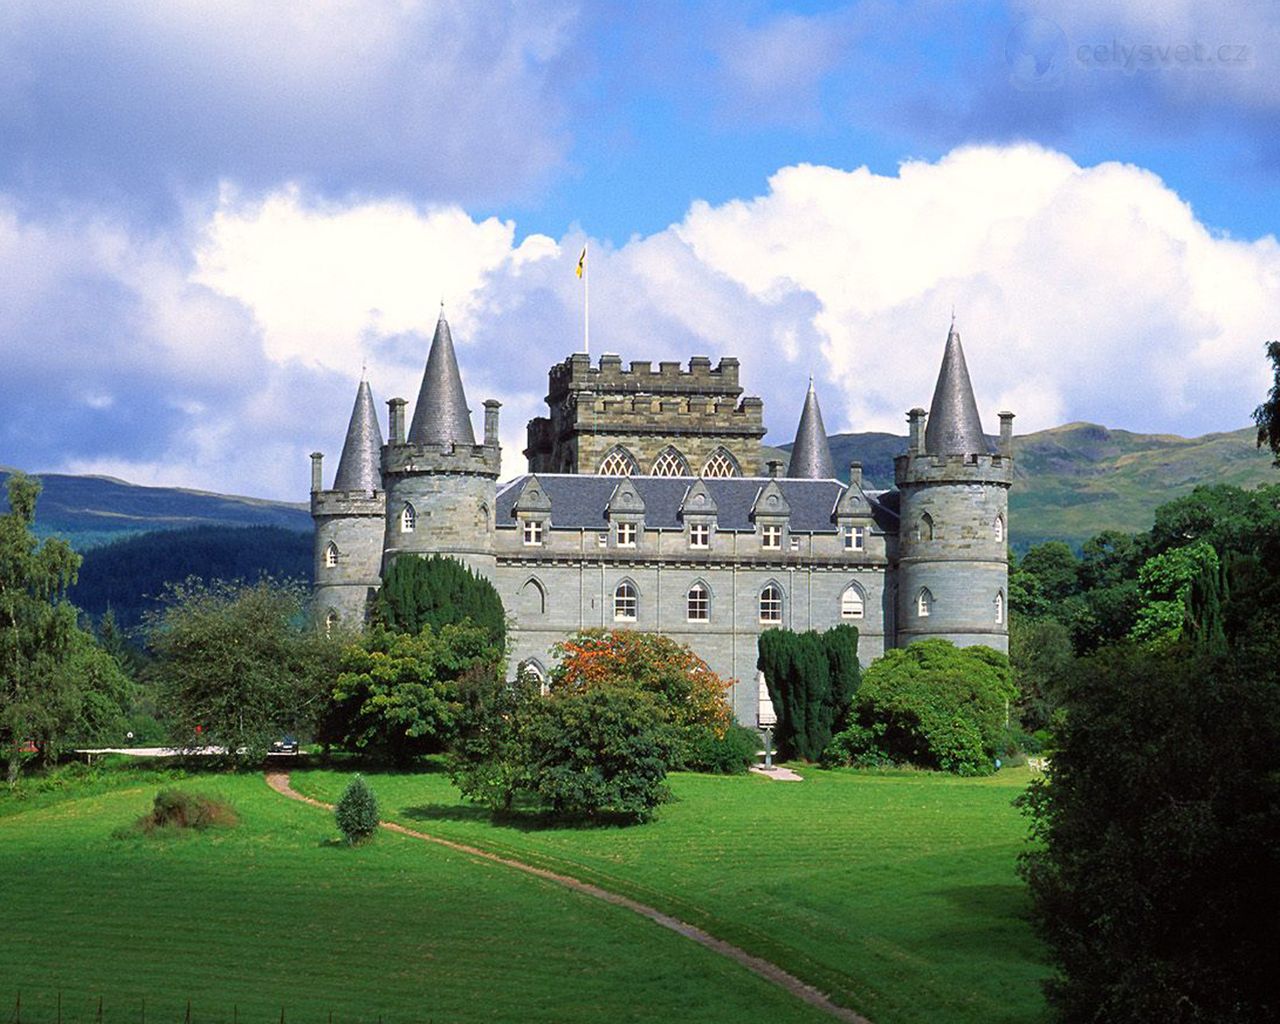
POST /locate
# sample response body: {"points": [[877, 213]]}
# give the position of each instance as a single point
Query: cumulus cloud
{"points": [[222, 358], [135, 100]]}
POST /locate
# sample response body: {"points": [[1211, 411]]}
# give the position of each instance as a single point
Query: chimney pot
{"points": [[317, 473]]}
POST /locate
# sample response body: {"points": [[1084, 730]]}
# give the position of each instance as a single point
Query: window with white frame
{"points": [[408, 519], [771, 537], [700, 535], [618, 463], [924, 603], [999, 608], [855, 538], [626, 602], [771, 604], [698, 603], [627, 535], [331, 555], [999, 529], [851, 602], [532, 533]]}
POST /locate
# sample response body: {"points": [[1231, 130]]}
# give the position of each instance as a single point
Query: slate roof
{"points": [[441, 415], [578, 501], [811, 454], [359, 467], [953, 427]]}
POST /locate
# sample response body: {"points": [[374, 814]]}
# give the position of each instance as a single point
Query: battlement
{"points": [[609, 376], [348, 503], [472, 460], [921, 468], [668, 414]]}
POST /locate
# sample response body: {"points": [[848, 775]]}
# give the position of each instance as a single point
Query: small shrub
{"points": [[730, 753], [855, 747], [357, 811], [176, 809]]}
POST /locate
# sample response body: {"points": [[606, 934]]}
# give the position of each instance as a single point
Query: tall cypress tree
{"points": [[812, 678], [435, 591]]}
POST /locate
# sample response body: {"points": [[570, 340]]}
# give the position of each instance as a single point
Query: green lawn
{"points": [[276, 914], [895, 893]]}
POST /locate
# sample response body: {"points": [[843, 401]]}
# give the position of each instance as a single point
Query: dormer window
{"points": [[532, 533], [771, 537], [408, 519], [700, 536], [627, 535], [855, 538]]}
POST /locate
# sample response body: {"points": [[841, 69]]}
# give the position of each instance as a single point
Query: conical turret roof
{"points": [[953, 427], [441, 415], [811, 454], [359, 467]]}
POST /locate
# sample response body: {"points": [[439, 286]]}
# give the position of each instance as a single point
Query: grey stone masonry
{"points": [[642, 412], [349, 530]]}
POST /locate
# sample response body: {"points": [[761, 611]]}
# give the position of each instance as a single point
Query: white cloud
{"points": [[1081, 293]]}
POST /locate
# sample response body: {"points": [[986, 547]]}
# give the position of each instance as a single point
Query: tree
{"points": [[812, 678], [56, 685], [684, 691], [1157, 838], [1041, 658], [599, 751], [1267, 415], [357, 811], [240, 662], [488, 760], [935, 705], [397, 694], [434, 592], [1165, 581]]}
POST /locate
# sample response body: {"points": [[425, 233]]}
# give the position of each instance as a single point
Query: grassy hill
{"points": [[93, 510], [1075, 480]]}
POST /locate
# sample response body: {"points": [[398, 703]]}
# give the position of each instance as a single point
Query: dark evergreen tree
{"points": [[812, 678], [437, 591], [357, 811]]}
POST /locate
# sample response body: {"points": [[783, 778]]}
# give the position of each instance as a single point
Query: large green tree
{"points": [[434, 592], [812, 678], [1267, 415], [240, 663], [56, 685]]}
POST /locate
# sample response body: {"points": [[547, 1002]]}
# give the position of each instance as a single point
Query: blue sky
{"points": [[212, 214]]}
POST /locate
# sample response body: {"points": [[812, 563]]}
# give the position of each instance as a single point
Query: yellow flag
{"points": [[582, 261]]}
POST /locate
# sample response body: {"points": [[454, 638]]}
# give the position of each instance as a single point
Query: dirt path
{"points": [[279, 781]]}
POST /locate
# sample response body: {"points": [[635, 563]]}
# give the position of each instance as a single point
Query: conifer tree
{"points": [[437, 591]]}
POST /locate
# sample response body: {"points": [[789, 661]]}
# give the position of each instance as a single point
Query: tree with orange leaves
{"points": [[681, 686]]}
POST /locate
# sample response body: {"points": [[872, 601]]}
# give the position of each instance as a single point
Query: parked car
{"points": [[285, 745]]}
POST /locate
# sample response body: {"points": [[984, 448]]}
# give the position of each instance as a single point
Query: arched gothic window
{"points": [[534, 668], [698, 603], [999, 529], [618, 463], [771, 603], [330, 555], [852, 602], [999, 608], [924, 603], [670, 463], [626, 602], [924, 527], [408, 519], [532, 598], [330, 622], [721, 463]]}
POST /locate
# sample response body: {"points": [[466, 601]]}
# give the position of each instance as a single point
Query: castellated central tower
{"points": [[953, 555], [439, 482]]}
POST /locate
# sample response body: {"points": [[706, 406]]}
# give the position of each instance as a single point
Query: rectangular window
{"points": [[700, 535], [771, 538], [532, 532], [855, 538], [626, 535]]}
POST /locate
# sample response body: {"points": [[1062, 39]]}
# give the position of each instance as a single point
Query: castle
{"points": [[647, 506]]}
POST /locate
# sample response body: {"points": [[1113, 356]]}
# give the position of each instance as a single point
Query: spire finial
{"points": [[364, 368], [953, 316]]}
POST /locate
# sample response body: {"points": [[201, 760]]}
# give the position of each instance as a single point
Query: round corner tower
{"points": [[349, 522], [953, 552], [440, 484]]}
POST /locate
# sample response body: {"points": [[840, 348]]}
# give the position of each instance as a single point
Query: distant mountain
{"points": [[1073, 481], [128, 575], [93, 510]]}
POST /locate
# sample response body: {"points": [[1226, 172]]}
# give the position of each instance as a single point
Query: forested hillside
{"points": [[130, 574]]}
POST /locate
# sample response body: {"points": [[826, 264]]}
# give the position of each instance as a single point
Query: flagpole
{"points": [[586, 302]]}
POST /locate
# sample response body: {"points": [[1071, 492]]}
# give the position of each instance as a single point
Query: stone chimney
{"points": [[915, 430], [1006, 434], [491, 407], [395, 422], [317, 472], [775, 467], [855, 474]]}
